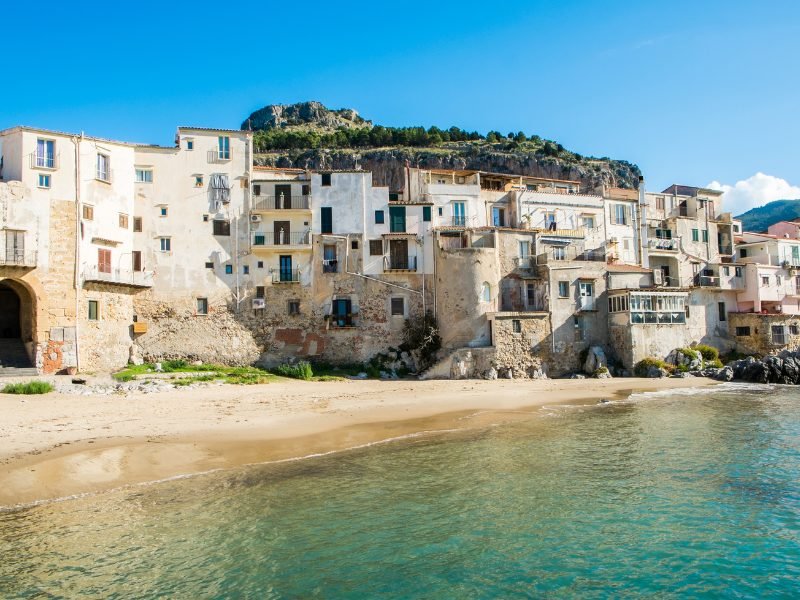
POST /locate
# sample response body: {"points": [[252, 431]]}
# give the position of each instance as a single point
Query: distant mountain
{"points": [[308, 135], [759, 219]]}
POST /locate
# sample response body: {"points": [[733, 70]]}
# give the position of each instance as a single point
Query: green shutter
{"points": [[426, 213], [327, 219], [397, 219]]}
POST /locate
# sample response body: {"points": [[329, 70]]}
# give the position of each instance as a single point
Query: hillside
{"points": [[759, 219], [310, 136]]}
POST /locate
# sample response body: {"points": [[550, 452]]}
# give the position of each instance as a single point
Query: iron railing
{"points": [[17, 257], [670, 244], [281, 202], [345, 320], [286, 276], [43, 161], [119, 276], [218, 156], [567, 253], [399, 263], [281, 238], [330, 265]]}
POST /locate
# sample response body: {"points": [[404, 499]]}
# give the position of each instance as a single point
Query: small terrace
{"points": [[17, 257], [568, 253], [269, 240], [123, 277], [399, 264], [269, 203], [286, 276]]}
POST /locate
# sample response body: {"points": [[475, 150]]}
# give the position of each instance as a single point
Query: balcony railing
{"points": [[126, 277], [43, 161], [399, 263], [15, 257], [670, 245], [706, 280], [459, 221], [281, 202], [217, 156], [330, 265], [567, 253], [104, 175], [346, 320], [726, 249], [526, 262], [281, 238], [286, 276]]}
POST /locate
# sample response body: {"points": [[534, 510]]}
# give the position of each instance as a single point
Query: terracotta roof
{"points": [[627, 269]]}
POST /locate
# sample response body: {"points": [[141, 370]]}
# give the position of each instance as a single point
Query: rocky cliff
{"points": [[309, 136]]}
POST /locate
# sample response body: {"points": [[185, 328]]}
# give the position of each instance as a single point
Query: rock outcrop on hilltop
{"points": [[308, 135]]}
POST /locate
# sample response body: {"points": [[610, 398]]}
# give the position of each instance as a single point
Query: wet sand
{"points": [[56, 445]]}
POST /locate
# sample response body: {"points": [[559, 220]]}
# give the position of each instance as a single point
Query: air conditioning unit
{"points": [[255, 218], [259, 303], [658, 277], [613, 240]]}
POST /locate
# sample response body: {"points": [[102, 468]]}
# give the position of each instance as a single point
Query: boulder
{"points": [[682, 375], [724, 374], [791, 370], [595, 359], [656, 372], [577, 376], [755, 372], [491, 374]]}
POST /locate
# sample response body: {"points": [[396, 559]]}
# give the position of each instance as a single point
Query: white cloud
{"points": [[754, 191]]}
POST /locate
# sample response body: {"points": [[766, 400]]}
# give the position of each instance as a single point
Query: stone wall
{"points": [[526, 353], [105, 342], [761, 340]]}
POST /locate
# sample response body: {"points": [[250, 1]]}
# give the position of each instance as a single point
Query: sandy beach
{"points": [[58, 445]]}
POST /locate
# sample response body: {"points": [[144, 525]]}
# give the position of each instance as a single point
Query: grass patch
{"points": [[30, 387], [301, 370], [641, 368], [235, 375]]}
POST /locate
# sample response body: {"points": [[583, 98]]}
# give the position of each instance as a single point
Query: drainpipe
{"points": [[76, 142], [641, 218]]}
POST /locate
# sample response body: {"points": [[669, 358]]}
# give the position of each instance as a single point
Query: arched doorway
{"points": [[16, 324]]}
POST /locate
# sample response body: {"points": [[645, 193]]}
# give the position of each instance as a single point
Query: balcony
{"points": [[525, 262], [265, 203], [560, 233], [706, 281], [330, 265], [664, 245], [219, 156], [459, 221], [125, 277], [17, 257], [342, 321], [567, 253], [406, 264], [286, 276], [280, 239], [104, 175], [726, 249], [43, 161]]}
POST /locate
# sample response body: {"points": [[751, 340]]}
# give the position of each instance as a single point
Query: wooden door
{"points": [[137, 260], [103, 260], [398, 254], [283, 196], [282, 232]]}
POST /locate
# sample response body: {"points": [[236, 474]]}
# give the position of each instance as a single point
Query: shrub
{"points": [[124, 376], [173, 365], [641, 368], [716, 363], [31, 387], [690, 352], [301, 370], [709, 353]]}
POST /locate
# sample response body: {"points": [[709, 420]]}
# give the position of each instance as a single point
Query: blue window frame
{"points": [[379, 218]]}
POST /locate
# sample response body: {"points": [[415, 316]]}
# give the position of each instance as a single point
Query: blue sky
{"points": [[693, 92]]}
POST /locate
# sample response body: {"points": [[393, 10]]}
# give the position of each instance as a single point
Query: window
{"points": [[743, 253], [44, 180], [705, 235], [326, 179], [379, 219], [205, 218], [588, 221], [354, 244], [190, 144], [563, 289], [459, 214], [659, 202], [441, 211], [620, 216], [144, 175], [163, 211], [104, 260], [228, 269], [550, 220], [722, 312], [103, 171], [209, 265], [516, 326], [398, 307], [260, 291], [559, 253], [94, 313], [294, 307], [136, 259], [123, 221], [246, 269], [137, 224], [166, 244], [326, 212], [426, 213], [202, 306], [737, 271], [726, 271], [580, 329], [198, 181], [260, 264], [778, 336], [88, 212], [222, 227], [498, 217], [794, 330], [764, 281], [394, 197], [587, 295], [778, 280], [742, 331], [224, 147], [486, 292], [397, 219], [375, 247], [45, 154], [695, 235]]}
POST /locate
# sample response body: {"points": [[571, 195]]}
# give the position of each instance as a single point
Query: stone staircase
{"points": [[14, 361]]}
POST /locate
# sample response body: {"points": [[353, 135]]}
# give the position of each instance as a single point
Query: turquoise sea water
{"points": [[691, 494]]}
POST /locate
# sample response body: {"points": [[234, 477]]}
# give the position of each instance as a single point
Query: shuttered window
{"points": [[327, 219], [104, 260]]}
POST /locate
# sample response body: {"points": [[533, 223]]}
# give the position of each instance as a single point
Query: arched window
{"points": [[486, 292]]}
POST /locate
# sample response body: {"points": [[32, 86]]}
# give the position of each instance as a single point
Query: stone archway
{"points": [[17, 324]]}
